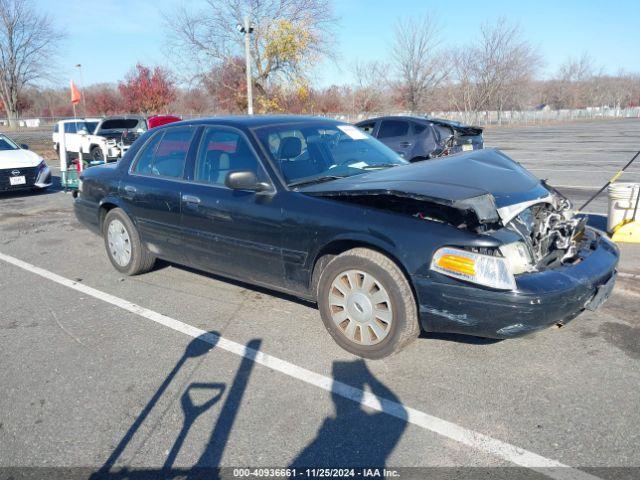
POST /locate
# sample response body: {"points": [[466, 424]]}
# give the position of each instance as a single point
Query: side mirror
{"points": [[245, 180], [24, 146], [83, 132]]}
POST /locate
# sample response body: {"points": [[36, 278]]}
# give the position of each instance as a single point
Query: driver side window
{"points": [[221, 152]]}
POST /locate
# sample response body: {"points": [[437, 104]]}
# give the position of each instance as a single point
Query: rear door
{"points": [[71, 137], [396, 134], [152, 190], [233, 232]]}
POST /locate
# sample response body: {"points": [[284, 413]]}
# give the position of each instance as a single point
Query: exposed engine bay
{"points": [[551, 233], [540, 236]]}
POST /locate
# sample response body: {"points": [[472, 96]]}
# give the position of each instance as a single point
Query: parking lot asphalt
{"points": [[88, 382], [578, 158]]}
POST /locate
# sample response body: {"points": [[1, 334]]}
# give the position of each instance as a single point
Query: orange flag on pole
{"points": [[75, 94]]}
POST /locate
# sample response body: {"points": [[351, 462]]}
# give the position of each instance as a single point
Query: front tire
{"points": [[125, 250], [96, 154], [366, 304]]}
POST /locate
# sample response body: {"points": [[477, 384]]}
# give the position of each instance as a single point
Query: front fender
{"points": [[341, 241]]}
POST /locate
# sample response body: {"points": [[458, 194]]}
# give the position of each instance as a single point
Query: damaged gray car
{"points": [[471, 243]]}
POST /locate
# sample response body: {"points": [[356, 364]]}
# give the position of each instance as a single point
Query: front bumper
{"points": [[34, 178], [44, 178], [542, 299]]}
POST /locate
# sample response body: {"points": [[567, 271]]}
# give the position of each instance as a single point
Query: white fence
{"points": [[507, 117], [511, 117]]}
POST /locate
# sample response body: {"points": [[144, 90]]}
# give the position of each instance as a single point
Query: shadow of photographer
{"points": [[354, 437], [191, 410]]}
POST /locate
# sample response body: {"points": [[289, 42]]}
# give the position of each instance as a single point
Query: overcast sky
{"points": [[109, 36]]}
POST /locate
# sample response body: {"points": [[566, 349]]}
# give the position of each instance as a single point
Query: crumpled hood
{"points": [[483, 181], [18, 159]]}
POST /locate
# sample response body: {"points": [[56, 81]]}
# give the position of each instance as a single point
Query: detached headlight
{"points": [[474, 267], [518, 257]]}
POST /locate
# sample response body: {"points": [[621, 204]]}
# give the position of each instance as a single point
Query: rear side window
{"points": [[70, 128], [166, 153], [393, 128]]}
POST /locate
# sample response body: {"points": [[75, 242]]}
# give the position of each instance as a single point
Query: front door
{"points": [[233, 232], [152, 190], [71, 137]]}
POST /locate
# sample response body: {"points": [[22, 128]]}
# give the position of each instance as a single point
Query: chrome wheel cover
{"points": [[119, 243], [360, 307]]}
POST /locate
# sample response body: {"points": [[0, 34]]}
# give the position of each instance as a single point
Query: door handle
{"points": [[190, 199], [130, 189], [405, 144]]}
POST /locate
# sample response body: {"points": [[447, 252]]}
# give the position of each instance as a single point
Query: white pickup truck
{"points": [[75, 130], [99, 139]]}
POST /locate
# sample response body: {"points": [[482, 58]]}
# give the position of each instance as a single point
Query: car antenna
{"points": [[611, 180]]}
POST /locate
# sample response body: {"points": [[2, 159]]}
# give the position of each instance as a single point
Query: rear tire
{"points": [[366, 304], [125, 250]]}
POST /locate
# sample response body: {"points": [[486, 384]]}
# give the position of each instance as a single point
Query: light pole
{"points": [[84, 102], [246, 30]]}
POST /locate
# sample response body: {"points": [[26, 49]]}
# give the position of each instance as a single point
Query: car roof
{"points": [[252, 121], [74, 120], [397, 117]]}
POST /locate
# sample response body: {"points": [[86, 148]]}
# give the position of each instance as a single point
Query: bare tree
{"points": [[27, 42], [417, 59], [289, 35], [573, 82], [370, 79], [493, 72]]}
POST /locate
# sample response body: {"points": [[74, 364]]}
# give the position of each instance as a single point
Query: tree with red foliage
{"points": [[146, 91], [227, 84], [102, 100]]}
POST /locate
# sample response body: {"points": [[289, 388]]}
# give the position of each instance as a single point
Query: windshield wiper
{"points": [[380, 165], [310, 181]]}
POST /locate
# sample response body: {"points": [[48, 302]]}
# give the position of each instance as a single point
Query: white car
{"points": [[20, 168], [75, 132]]}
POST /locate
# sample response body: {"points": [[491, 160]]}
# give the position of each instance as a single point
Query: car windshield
{"points": [[91, 126], [7, 144], [319, 151]]}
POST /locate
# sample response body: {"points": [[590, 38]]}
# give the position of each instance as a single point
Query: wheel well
{"points": [[104, 209], [334, 249]]}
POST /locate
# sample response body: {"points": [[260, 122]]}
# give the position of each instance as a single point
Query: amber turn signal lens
{"points": [[457, 263]]}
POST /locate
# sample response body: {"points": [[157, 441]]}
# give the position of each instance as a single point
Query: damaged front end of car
{"points": [[525, 261], [549, 235], [485, 193]]}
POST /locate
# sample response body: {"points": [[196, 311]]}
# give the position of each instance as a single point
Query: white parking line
{"points": [[450, 430], [552, 169], [577, 187]]}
